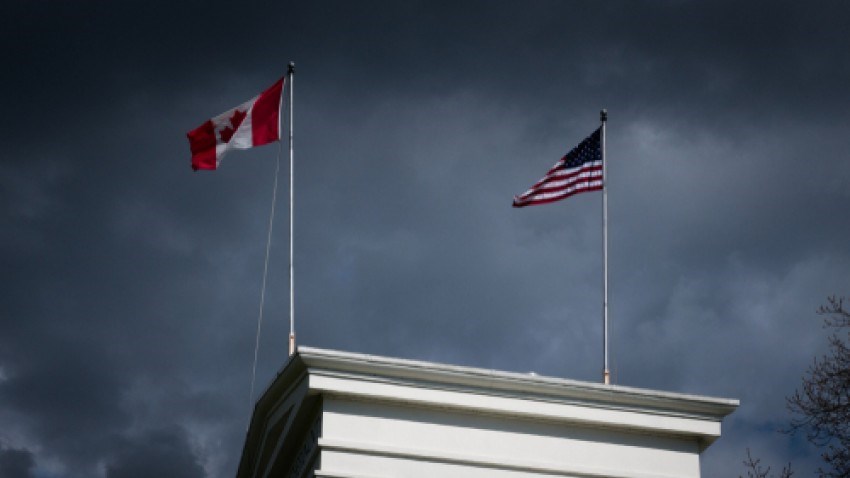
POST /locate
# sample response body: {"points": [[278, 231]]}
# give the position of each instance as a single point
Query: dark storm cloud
{"points": [[16, 463], [156, 453], [131, 285]]}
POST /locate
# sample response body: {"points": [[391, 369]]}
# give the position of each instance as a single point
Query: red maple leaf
{"points": [[235, 121]]}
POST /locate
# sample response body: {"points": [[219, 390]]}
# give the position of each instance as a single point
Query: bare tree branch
{"points": [[754, 469], [820, 408]]}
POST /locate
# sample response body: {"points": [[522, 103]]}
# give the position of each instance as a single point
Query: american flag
{"points": [[579, 171]]}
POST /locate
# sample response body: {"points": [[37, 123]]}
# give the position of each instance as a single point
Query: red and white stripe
{"points": [[560, 183]]}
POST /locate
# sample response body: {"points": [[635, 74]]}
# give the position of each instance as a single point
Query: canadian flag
{"points": [[253, 123]]}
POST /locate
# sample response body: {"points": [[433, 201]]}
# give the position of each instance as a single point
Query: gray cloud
{"points": [[155, 453], [131, 285], [15, 463]]}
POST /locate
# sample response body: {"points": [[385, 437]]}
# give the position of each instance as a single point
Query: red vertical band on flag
{"points": [[265, 116], [202, 144]]}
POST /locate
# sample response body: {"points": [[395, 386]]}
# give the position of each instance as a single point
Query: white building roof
{"points": [[354, 395]]}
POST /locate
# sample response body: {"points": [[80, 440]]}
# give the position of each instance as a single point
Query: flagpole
{"points": [[606, 374], [291, 73]]}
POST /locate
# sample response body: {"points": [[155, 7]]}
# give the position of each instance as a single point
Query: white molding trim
{"points": [[472, 461], [339, 474], [470, 377], [527, 406]]}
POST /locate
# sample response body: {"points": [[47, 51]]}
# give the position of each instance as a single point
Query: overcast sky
{"points": [[131, 285]]}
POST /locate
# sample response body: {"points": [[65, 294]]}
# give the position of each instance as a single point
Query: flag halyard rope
{"points": [[265, 271]]}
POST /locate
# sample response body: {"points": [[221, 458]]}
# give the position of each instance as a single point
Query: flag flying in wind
{"points": [[577, 172], [253, 123]]}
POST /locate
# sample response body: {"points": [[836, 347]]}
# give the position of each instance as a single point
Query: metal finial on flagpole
{"points": [[291, 74], [606, 373]]}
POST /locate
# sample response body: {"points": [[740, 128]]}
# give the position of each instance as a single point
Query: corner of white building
{"points": [[345, 415]]}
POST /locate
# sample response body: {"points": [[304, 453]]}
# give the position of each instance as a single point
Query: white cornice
{"points": [[472, 377], [426, 384], [330, 378]]}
